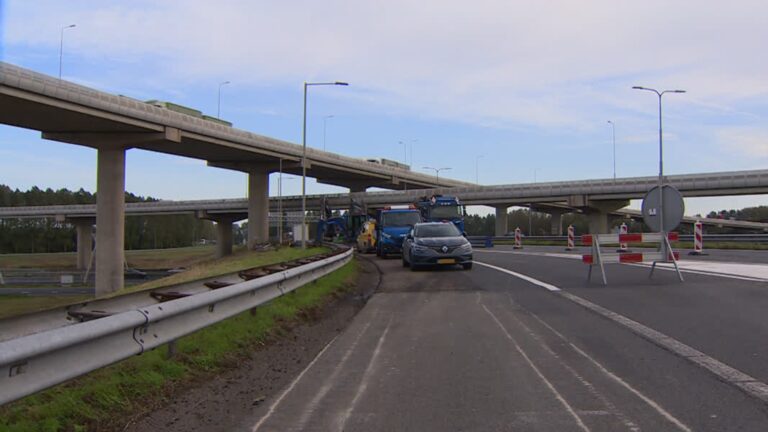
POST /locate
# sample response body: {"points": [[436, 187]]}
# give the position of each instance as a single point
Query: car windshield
{"points": [[447, 212], [400, 219], [441, 230]]}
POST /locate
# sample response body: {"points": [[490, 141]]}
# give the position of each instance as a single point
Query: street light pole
{"points": [[661, 166], [304, 160], [218, 104], [437, 173], [405, 152], [325, 119], [61, 46], [477, 171], [613, 127]]}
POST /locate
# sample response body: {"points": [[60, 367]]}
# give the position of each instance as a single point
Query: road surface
{"points": [[521, 342]]}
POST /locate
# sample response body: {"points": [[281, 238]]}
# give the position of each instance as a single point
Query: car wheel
{"points": [[405, 263], [467, 266]]}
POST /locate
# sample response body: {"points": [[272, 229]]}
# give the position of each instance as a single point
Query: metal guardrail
{"points": [[37, 361], [736, 238]]}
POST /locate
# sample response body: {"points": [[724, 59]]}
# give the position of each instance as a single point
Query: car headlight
{"points": [[385, 235], [420, 248], [466, 247]]}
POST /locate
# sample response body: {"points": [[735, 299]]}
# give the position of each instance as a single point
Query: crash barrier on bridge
{"points": [[480, 241], [698, 239], [735, 238], [623, 246], [571, 245], [518, 239], [40, 360], [597, 257]]}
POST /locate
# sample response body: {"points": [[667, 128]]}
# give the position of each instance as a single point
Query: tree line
{"points": [[48, 235]]}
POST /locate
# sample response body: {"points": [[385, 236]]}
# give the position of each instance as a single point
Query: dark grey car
{"points": [[436, 243]]}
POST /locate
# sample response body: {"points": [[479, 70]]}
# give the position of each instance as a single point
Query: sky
{"points": [[498, 91]]}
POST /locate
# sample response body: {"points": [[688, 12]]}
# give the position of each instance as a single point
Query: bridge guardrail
{"points": [[34, 362], [735, 238]]}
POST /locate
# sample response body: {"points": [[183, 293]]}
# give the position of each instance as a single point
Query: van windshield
{"points": [[442, 230], [400, 219]]}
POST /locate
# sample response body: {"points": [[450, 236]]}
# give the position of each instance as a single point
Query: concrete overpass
{"points": [[597, 198], [112, 124]]}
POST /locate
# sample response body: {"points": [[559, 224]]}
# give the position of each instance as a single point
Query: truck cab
{"points": [[391, 228], [439, 208]]}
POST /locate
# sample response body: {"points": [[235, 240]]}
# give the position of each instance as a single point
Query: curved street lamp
{"points": [[661, 165], [304, 159], [218, 104], [437, 173], [613, 126], [61, 45]]}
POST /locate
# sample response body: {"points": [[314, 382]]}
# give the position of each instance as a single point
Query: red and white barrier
{"points": [[518, 239], [571, 239], [588, 239], [597, 257], [628, 258], [698, 239], [623, 245]]}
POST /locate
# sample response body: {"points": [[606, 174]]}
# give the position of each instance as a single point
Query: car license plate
{"points": [[446, 261]]}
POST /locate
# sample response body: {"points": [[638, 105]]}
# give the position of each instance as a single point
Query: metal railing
{"points": [[735, 238], [43, 359]]}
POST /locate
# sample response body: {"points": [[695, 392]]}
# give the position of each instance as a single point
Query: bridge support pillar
{"points": [[598, 214], [223, 237], [258, 207], [502, 218], [556, 222], [84, 228], [110, 219]]}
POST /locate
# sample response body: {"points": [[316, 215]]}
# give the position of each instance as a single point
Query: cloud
{"points": [[492, 63], [751, 142]]}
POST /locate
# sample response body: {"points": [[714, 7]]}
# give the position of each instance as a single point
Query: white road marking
{"points": [[664, 413], [290, 387], [722, 371], [739, 271], [329, 381], [612, 408], [521, 276], [364, 380], [551, 387]]}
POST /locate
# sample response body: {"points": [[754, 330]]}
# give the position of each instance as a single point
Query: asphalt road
{"points": [[453, 350]]}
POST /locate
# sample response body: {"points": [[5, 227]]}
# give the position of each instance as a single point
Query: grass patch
{"points": [[11, 305], [241, 260], [106, 398], [148, 259]]}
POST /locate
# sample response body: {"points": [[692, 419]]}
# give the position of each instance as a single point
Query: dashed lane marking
{"points": [[365, 378], [746, 383], [530, 362]]}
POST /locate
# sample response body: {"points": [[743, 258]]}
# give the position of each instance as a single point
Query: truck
{"points": [[392, 225], [440, 208]]}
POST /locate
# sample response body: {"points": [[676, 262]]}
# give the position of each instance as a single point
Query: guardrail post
{"points": [[172, 350]]}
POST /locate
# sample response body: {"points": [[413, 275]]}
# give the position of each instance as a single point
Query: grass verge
{"points": [[107, 398], [11, 305], [243, 259], [147, 259]]}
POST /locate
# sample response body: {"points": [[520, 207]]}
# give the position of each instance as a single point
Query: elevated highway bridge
{"points": [[112, 124], [599, 199]]}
